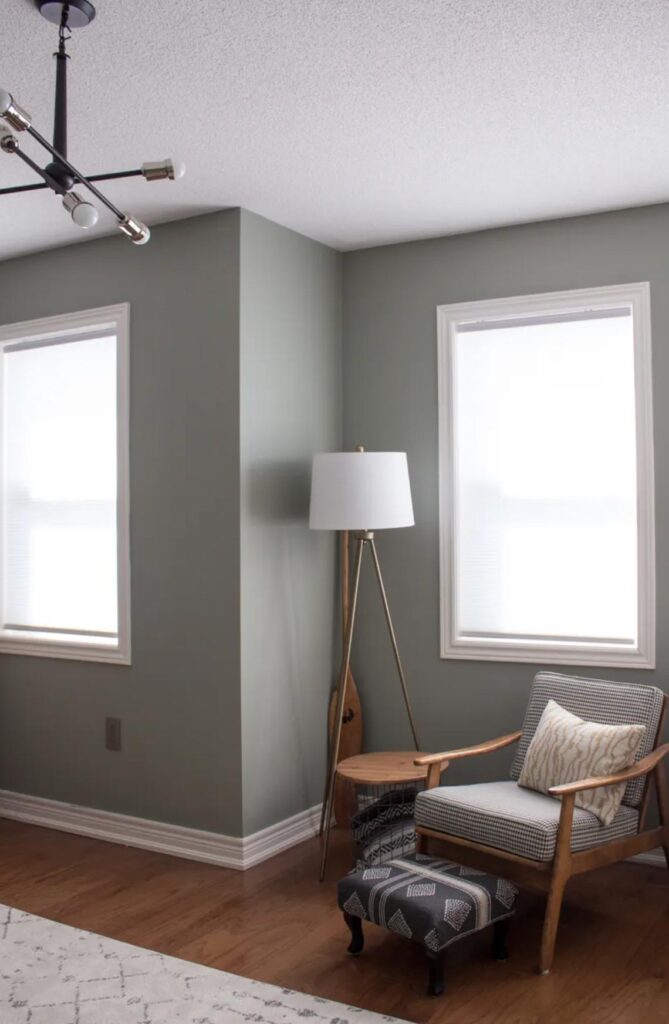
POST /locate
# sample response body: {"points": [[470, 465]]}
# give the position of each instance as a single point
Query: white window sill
{"points": [[603, 656], [74, 648]]}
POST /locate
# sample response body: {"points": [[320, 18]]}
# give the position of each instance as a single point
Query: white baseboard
{"points": [[190, 843], [178, 841]]}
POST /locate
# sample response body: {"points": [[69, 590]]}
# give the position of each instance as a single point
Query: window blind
{"points": [[544, 478], [59, 469]]}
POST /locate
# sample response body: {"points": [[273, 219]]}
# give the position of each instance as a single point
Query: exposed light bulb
{"points": [[178, 169], [134, 229], [161, 169], [82, 213], [12, 113], [85, 215]]}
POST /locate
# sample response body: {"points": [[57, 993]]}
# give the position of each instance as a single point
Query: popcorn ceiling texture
{"points": [[356, 122]]}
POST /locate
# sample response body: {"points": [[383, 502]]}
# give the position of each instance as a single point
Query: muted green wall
{"points": [[235, 378], [390, 402], [180, 700], [290, 344]]}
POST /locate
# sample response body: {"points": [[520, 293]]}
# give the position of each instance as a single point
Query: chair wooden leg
{"points": [[551, 921], [561, 872], [662, 787]]}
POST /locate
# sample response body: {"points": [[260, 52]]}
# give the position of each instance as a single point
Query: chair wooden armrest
{"points": [[642, 767], [480, 748]]}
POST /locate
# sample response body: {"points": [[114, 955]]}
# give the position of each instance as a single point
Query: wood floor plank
{"points": [[276, 923]]}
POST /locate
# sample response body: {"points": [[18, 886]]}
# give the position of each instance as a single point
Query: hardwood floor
{"points": [[277, 924]]}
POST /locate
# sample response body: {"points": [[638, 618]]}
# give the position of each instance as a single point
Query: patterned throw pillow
{"points": [[565, 748]]}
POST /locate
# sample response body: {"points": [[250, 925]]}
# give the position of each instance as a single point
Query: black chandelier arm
{"points": [[48, 181], [76, 174], [112, 176], [15, 189]]}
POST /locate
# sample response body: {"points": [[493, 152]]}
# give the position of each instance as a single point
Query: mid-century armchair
{"points": [[535, 839]]}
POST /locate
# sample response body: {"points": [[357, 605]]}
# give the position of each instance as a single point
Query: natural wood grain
{"points": [[635, 771], [564, 864], [384, 767], [662, 789], [643, 808], [434, 773], [480, 748], [276, 923], [619, 849], [559, 879], [350, 742]]}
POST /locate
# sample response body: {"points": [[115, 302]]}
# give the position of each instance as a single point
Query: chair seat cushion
{"points": [[505, 817]]}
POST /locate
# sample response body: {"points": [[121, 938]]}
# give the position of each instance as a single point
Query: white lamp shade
{"points": [[360, 491]]}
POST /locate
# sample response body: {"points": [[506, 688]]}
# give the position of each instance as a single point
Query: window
{"points": [[64, 555], [546, 479]]}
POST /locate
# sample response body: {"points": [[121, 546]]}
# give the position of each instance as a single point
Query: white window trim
{"points": [[642, 655], [118, 318]]}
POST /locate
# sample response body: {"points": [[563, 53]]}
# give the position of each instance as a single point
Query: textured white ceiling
{"points": [[354, 121]]}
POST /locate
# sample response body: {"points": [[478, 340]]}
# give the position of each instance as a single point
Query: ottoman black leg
{"points": [[357, 938], [500, 931], [435, 985]]}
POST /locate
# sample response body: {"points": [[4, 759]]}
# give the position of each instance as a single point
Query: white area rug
{"points": [[53, 974]]}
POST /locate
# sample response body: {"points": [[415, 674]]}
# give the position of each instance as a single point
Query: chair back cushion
{"points": [[595, 700]]}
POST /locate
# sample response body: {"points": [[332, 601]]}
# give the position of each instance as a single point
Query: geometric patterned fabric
{"points": [[384, 827], [433, 901], [395, 805], [53, 974], [595, 700], [397, 840]]}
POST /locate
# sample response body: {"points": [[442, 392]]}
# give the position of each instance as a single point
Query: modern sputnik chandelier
{"points": [[59, 174]]}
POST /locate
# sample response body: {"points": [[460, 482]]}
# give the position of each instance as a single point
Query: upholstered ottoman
{"points": [[432, 901]]}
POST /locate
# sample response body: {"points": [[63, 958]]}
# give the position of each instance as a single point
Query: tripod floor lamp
{"points": [[361, 492]]}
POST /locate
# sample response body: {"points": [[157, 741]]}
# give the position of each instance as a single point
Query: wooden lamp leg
{"points": [[328, 798], [560, 876]]}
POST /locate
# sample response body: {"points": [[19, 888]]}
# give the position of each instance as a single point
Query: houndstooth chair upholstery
{"points": [[506, 817]]}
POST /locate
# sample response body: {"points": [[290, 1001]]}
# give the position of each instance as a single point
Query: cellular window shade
{"points": [[544, 477], [59, 466]]}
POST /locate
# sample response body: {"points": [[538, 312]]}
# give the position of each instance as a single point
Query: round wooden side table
{"points": [[380, 793]]}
